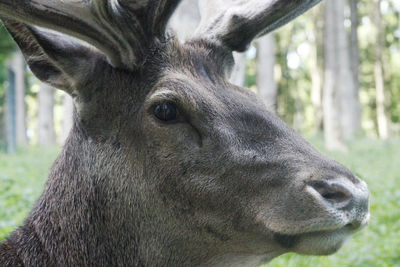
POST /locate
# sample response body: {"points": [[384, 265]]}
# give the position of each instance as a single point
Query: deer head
{"points": [[168, 163]]}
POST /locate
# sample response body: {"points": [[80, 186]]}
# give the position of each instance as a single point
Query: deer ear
{"points": [[53, 58]]}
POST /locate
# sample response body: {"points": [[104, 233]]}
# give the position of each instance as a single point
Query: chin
{"points": [[314, 243]]}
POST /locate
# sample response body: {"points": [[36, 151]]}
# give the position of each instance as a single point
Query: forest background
{"points": [[333, 74]]}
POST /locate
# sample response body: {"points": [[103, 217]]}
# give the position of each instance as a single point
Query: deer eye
{"points": [[166, 112]]}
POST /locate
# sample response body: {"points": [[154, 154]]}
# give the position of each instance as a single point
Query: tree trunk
{"points": [[68, 106], [3, 128], [341, 99], [355, 61], [238, 76], [382, 95], [348, 94], [316, 66], [10, 112], [17, 66], [397, 7], [266, 84], [331, 91], [46, 134]]}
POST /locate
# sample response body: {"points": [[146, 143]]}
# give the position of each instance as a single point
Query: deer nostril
{"points": [[335, 196], [332, 192], [354, 225]]}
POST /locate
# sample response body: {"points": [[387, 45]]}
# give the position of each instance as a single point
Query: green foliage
{"points": [[6, 44], [22, 178], [6, 47], [376, 162]]}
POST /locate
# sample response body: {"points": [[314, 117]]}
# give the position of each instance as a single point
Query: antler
{"points": [[121, 29], [235, 23]]}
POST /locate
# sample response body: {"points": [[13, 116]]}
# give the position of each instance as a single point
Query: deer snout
{"points": [[345, 196], [332, 192]]}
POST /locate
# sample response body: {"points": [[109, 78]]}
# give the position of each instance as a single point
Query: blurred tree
{"points": [[348, 93], [238, 76], [398, 17], [10, 114], [331, 96], [46, 133], [6, 47], [341, 100], [266, 84], [394, 55], [316, 66], [355, 64], [17, 65], [185, 19], [382, 95], [68, 109], [286, 100]]}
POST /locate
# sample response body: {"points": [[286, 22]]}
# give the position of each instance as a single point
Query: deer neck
{"points": [[82, 218]]}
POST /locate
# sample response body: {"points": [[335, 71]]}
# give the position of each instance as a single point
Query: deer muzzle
{"points": [[347, 197]]}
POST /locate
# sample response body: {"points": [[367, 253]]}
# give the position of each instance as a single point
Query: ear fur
{"points": [[54, 58]]}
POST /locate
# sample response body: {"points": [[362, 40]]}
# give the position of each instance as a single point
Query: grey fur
{"points": [[227, 184]]}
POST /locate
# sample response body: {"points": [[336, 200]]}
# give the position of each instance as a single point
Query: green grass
{"points": [[22, 177]]}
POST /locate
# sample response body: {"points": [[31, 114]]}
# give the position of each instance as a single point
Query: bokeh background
{"points": [[333, 74]]}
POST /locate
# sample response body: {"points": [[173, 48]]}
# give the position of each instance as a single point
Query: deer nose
{"points": [[333, 192], [350, 195]]}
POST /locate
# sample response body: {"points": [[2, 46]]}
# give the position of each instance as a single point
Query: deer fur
{"points": [[225, 184]]}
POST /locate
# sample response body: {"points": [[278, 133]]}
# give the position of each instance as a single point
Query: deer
{"points": [[168, 163]]}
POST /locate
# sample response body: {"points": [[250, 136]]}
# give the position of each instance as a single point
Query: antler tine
{"points": [[235, 23], [121, 29]]}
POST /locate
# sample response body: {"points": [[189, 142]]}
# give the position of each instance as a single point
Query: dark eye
{"points": [[166, 112]]}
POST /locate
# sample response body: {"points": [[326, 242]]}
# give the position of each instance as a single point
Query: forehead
{"points": [[196, 58], [198, 70]]}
